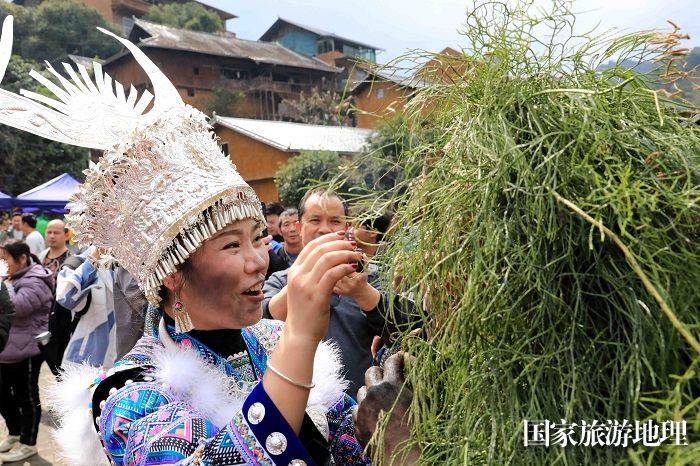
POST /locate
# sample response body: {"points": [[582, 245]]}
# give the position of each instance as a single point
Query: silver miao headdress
{"points": [[162, 186]]}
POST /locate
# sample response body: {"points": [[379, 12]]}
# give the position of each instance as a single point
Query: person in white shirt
{"points": [[32, 237], [15, 233]]}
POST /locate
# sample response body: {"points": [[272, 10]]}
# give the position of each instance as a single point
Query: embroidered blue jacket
{"points": [[141, 421]]}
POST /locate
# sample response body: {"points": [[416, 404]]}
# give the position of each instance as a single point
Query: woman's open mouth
{"points": [[254, 292]]}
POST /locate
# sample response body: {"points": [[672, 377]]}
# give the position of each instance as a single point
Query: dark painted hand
{"points": [[385, 389]]}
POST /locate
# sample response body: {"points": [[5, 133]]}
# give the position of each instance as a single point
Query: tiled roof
{"points": [[159, 36]]}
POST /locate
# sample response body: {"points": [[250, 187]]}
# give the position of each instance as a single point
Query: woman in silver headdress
{"points": [[210, 383], [233, 389]]}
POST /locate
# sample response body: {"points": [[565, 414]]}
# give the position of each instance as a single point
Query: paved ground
{"points": [[47, 449]]}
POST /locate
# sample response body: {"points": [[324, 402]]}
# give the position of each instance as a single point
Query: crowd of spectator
{"points": [[57, 308]]}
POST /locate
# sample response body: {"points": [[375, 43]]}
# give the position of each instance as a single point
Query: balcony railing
{"points": [[265, 83]]}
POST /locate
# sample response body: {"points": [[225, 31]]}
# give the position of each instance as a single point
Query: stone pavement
{"points": [[47, 449]]}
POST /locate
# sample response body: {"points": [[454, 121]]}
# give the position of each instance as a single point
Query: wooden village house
{"points": [[381, 95], [258, 75], [314, 42], [260, 147], [333, 49]]}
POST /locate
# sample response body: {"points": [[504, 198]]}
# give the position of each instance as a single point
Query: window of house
{"points": [[360, 52], [196, 71], [228, 73], [190, 91], [380, 93], [224, 148], [350, 51], [324, 45]]}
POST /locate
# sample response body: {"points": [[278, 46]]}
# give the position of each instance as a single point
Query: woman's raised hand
{"points": [[320, 265]]}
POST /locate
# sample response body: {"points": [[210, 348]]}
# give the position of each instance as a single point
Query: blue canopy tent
{"points": [[51, 196], [5, 201]]}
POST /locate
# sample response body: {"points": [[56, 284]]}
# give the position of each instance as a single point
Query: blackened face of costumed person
{"points": [[222, 287]]}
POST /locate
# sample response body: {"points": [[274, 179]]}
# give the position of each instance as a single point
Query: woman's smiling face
{"points": [[222, 287]]}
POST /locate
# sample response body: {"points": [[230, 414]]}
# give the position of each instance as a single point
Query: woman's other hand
{"points": [[268, 242], [320, 265], [357, 287]]}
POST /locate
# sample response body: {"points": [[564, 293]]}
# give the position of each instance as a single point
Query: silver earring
{"points": [[183, 323]]}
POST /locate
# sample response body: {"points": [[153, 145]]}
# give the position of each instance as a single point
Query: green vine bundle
{"points": [[552, 240]]}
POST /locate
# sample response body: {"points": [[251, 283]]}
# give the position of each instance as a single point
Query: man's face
{"points": [[322, 215], [273, 224], [17, 222], [289, 231], [55, 234]]}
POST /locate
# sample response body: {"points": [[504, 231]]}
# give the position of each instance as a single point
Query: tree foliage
{"points": [[304, 171], [27, 160], [361, 178], [224, 101], [191, 15], [319, 108], [57, 28]]}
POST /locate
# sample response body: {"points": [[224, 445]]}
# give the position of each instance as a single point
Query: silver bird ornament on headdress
{"points": [[161, 188], [93, 115]]}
